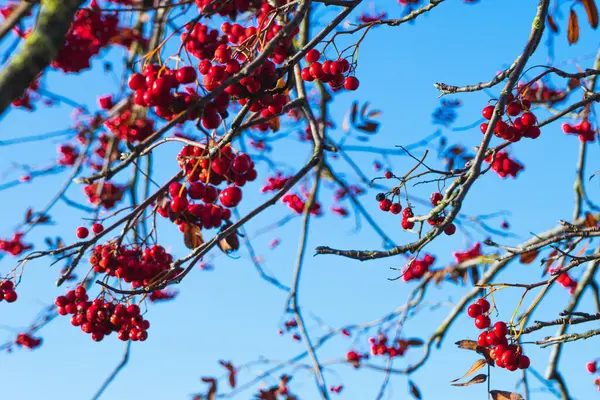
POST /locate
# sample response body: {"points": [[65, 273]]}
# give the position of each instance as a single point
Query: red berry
{"points": [[196, 190], [482, 339], [591, 367], [513, 109], [179, 204], [231, 196], [306, 76], [487, 112], [312, 56], [485, 305], [406, 224], [97, 228], [82, 232], [474, 310], [483, 127], [500, 329], [450, 230], [509, 358], [385, 205], [137, 82], [388, 174], [185, 75], [10, 296], [436, 198], [316, 70], [528, 119], [524, 362], [351, 83], [482, 321], [395, 208]]}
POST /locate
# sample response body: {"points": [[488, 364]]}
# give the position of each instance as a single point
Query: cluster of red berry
{"points": [[583, 129], [341, 193], [406, 214], [132, 265], [331, 72], [379, 346], [355, 357], [27, 340], [473, 252], [289, 325], [14, 246], [503, 165], [7, 291], [541, 94], [162, 295], [100, 318], [225, 8], [509, 356], [336, 389], [275, 183], [435, 220], [565, 280], [417, 268], [515, 129], [130, 126], [105, 194], [82, 232], [296, 203]]}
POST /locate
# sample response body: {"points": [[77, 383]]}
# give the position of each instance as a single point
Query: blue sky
{"points": [[230, 313]]}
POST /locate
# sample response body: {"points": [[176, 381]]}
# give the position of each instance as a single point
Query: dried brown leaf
{"points": [[369, 126], [192, 237], [592, 12], [414, 390], [573, 31], [353, 112], [502, 395], [230, 243], [477, 379], [232, 372], [415, 342], [550, 261], [467, 344], [552, 24], [590, 220], [363, 110], [529, 257], [373, 114], [474, 368]]}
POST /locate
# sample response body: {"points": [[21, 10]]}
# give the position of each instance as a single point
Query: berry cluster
{"points": [[132, 265], [225, 8], [435, 199], [542, 94], [336, 389], [515, 129], [331, 72], [275, 183], [289, 325], [68, 155], [379, 346], [14, 246], [406, 214], [100, 318], [504, 166], [27, 340], [417, 268], [7, 291], [162, 295], [296, 203], [583, 129], [473, 252], [565, 280], [509, 356], [105, 194], [130, 126], [341, 193]]}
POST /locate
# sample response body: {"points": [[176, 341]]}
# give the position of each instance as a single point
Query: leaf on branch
{"points": [[275, 124], [232, 372], [363, 110], [415, 342], [212, 390], [477, 379], [353, 112], [467, 344], [474, 368], [573, 31], [369, 127], [502, 395], [230, 243], [590, 220], [529, 257], [192, 237], [414, 390], [552, 24], [592, 12]]}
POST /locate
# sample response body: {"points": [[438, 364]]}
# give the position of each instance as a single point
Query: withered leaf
{"points": [[552, 24], [232, 372], [275, 124], [502, 395], [363, 110], [550, 261], [414, 390], [192, 237], [590, 221], [477, 379], [529, 257], [573, 31], [212, 390], [374, 113], [592, 12], [353, 112], [369, 127], [474, 368], [230, 243], [415, 342], [467, 344]]}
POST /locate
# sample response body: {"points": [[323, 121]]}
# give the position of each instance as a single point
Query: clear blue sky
{"points": [[230, 313]]}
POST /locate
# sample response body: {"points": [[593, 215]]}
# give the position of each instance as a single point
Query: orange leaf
{"points": [[275, 124], [502, 395], [467, 344], [192, 236], [529, 257], [590, 221], [477, 379], [552, 24], [415, 342], [573, 31], [592, 12], [474, 368]]}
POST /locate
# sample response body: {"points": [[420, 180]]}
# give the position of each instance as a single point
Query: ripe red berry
{"points": [[487, 112], [179, 204], [513, 109], [591, 367], [385, 205], [500, 329], [185, 75], [97, 228], [450, 230], [509, 358], [524, 362], [484, 304], [312, 56], [137, 82], [306, 76], [82, 232], [482, 340], [482, 321], [316, 70], [436, 198], [474, 310], [10, 296], [388, 174], [231, 196], [406, 224], [483, 127], [351, 83], [395, 208], [528, 119]]}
